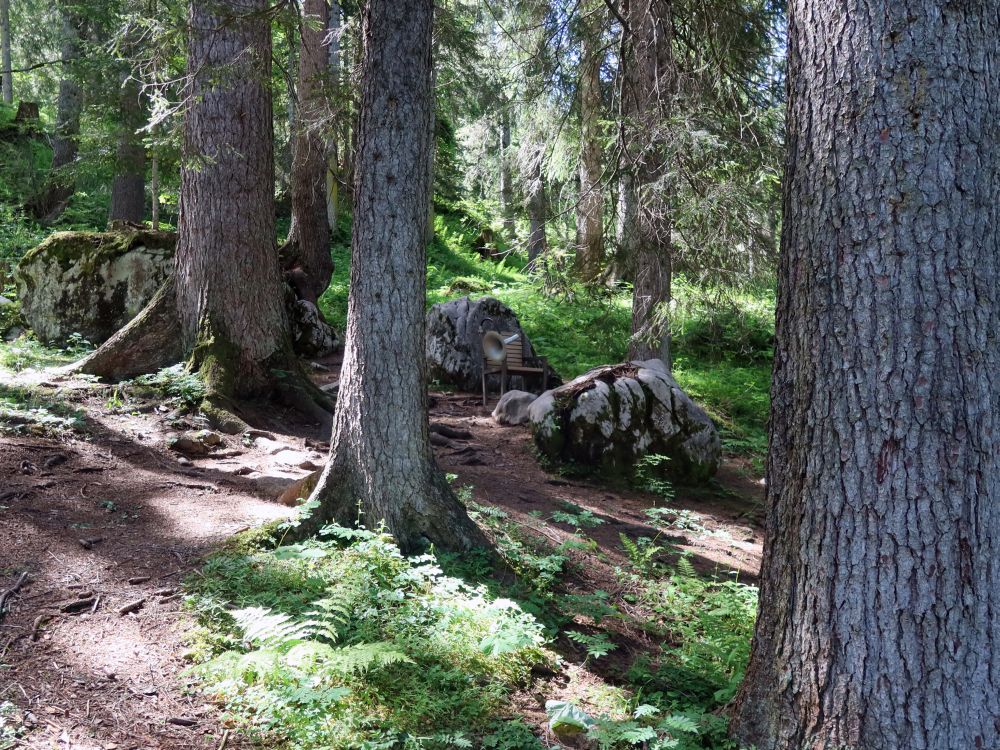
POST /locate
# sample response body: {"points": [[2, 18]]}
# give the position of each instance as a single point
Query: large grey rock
{"points": [[614, 415], [455, 346], [91, 283], [512, 408]]}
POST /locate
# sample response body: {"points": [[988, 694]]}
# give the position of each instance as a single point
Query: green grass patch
{"points": [[28, 353]]}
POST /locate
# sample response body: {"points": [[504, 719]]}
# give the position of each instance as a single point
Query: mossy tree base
{"points": [[419, 512]]}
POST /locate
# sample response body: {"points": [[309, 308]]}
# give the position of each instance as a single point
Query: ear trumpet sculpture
{"points": [[493, 345]]}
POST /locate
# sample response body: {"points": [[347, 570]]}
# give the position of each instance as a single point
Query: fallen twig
{"points": [[77, 606], [11, 591], [36, 626], [131, 607]]}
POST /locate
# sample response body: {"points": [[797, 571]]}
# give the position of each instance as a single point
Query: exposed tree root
{"points": [[221, 415], [302, 395], [153, 340], [147, 343]]}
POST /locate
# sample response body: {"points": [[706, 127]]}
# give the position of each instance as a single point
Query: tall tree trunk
{"points": [[381, 460], [506, 176], [154, 189], [7, 84], [333, 152], [590, 207], [65, 143], [229, 289], [879, 599], [537, 205], [128, 191], [647, 89], [308, 245]]}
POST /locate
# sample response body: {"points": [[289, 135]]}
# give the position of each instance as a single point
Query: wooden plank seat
{"points": [[514, 363]]}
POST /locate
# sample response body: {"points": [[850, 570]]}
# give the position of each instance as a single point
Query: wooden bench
{"points": [[514, 363]]}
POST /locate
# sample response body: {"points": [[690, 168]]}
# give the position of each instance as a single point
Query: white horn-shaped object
{"points": [[493, 345]]}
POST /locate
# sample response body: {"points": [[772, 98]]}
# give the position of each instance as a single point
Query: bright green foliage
{"points": [[708, 623], [26, 352], [349, 644], [174, 382]]}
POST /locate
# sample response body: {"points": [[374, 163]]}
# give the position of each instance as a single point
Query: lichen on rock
{"points": [[612, 416], [91, 283]]}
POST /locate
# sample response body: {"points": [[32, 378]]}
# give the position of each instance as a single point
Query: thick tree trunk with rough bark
{"points": [[381, 460], [648, 83], [149, 342], [333, 151], [537, 205], [590, 207], [506, 176], [65, 144], [308, 245], [229, 288], [224, 306], [7, 77], [879, 624], [128, 191]]}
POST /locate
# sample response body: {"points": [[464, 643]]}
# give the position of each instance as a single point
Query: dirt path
{"points": [[109, 517]]}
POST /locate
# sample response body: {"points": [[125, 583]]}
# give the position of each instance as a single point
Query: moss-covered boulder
{"points": [[614, 415], [91, 283]]}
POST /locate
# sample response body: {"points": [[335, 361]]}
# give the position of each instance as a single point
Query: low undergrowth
{"points": [[32, 411], [343, 642], [28, 353]]}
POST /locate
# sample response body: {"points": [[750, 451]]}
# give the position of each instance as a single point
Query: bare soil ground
{"points": [[108, 517]]}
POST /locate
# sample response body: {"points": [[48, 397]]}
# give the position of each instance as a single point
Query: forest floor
{"points": [[107, 521]]}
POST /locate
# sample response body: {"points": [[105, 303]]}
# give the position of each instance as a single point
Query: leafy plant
{"points": [[348, 643], [597, 644], [576, 516]]}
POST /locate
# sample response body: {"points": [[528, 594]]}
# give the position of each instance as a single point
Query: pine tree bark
{"points": [[381, 460], [333, 151], [648, 81], [308, 245], [537, 206], [65, 143], [506, 176], [590, 206], [128, 190], [7, 77], [229, 288], [879, 625]]}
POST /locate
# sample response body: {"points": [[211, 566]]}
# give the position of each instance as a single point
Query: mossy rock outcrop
{"points": [[612, 416], [91, 283]]}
